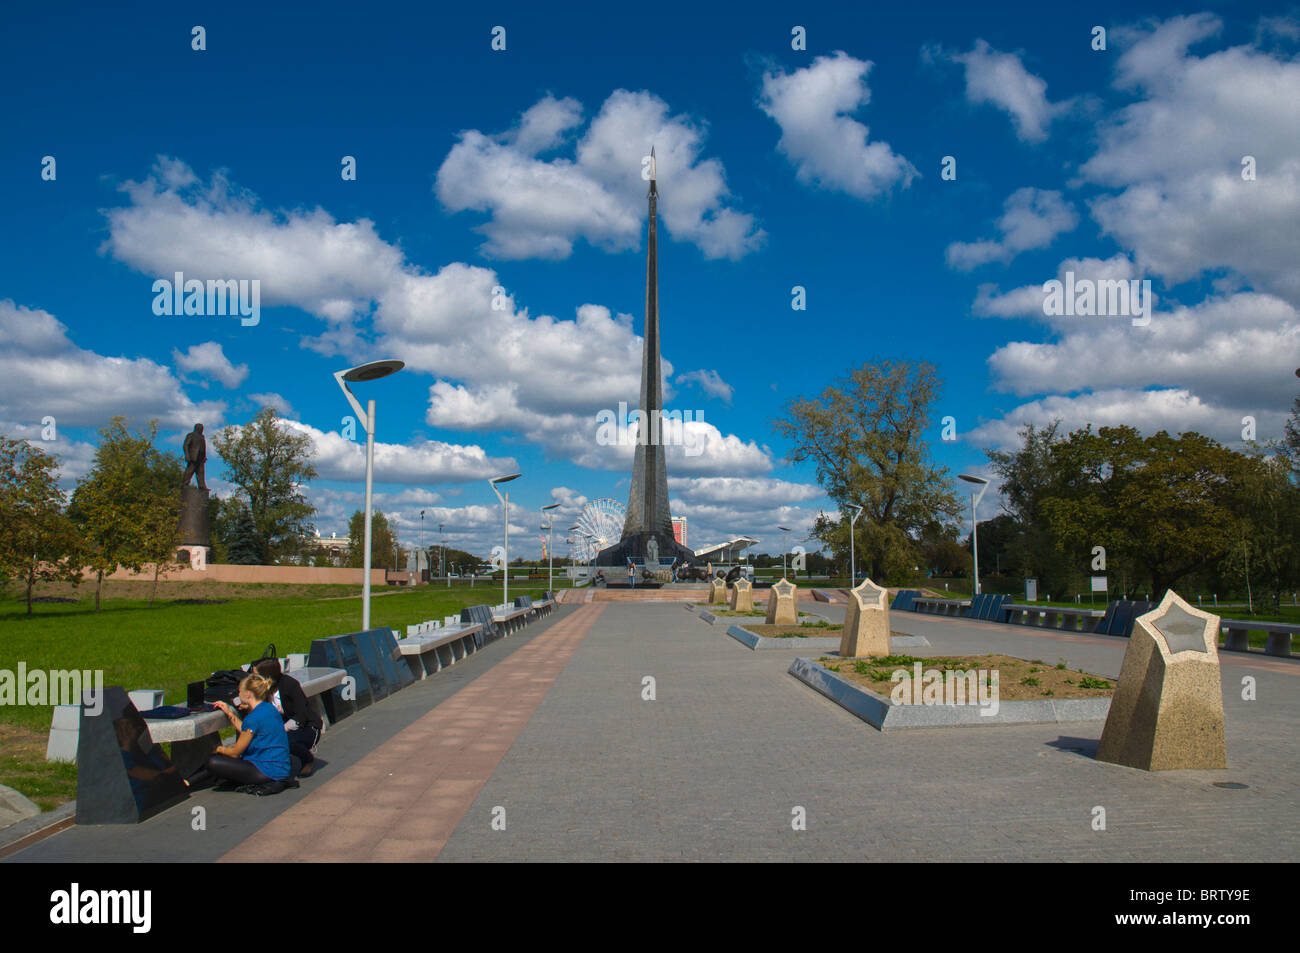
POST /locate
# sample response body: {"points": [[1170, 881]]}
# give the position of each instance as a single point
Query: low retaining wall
{"points": [[221, 572], [877, 711], [824, 645]]}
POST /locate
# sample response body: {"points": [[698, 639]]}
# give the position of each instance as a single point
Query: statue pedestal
{"points": [[194, 518], [196, 556]]}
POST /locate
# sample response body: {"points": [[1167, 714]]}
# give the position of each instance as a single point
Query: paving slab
{"points": [[713, 768], [232, 817]]}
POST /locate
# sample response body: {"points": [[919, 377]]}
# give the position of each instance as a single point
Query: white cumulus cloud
{"points": [[539, 207], [813, 106]]}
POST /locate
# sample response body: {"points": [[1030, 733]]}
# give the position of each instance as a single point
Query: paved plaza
{"points": [[548, 734]]}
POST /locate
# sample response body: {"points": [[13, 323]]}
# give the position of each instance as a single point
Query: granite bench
{"points": [[1052, 617], [196, 736], [510, 619], [941, 606], [439, 648], [1238, 631], [192, 737]]}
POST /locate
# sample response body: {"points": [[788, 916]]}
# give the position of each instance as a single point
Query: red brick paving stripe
{"points": [[402, 801]]}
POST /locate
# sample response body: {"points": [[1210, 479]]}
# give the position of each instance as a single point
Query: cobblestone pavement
{"points": [[714, 767]]}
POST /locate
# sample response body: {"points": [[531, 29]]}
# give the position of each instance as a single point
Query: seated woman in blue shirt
{"points": [[259, 758]]}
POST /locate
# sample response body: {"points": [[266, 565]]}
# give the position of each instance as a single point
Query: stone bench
{"points": [[540, 608], [1238, 631], [940, 606], [200, 727], [509, 619], [196, 736], [441, 648], [1052, 617]]}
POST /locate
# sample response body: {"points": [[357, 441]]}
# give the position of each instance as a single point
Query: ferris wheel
{"points": [[600, 525]]}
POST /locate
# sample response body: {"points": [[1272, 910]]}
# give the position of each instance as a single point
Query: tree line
{"points": [[1150, 513], [124, 513]]}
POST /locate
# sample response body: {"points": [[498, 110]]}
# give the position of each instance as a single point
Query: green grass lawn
{"points": [[173, 643]]}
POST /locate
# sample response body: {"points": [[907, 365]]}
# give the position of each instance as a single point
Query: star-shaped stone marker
{"points": [[783, 588], [869, 592], [1183, 631]]}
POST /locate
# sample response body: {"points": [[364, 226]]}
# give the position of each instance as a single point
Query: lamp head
{"points": [[372, 371], [979, 481]]}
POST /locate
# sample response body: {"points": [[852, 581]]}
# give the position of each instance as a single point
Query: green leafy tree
{"points": [[270, 463], [1267, 560], [127, 507], [1172, 506], [216, 530], [865, 433], [1027, 475], [37, 541], [943, 554], [1290, 445], [383, 540]]}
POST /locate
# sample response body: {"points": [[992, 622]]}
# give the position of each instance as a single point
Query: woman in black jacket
{"points": [[301, 722]]}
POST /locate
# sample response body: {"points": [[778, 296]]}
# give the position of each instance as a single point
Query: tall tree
{"points": [[865, 433], [1290, 446], [1027, 476], [383, 540], [127, 506], [1268, 559], [270, 463], [37, 541]]}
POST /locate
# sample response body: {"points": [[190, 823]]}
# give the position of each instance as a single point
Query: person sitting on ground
{"points": [[259, 759], [300, 721]]}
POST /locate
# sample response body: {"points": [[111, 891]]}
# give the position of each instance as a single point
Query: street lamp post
{"points": [[784, 547], [572, 530], [442, 563], [366, 372], [505, 505], [975, 498], [550, 547], [853, 555], [590, 559], [422, 549]]}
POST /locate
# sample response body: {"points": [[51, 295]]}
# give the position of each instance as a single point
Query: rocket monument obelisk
{"points": [[647, 506]]}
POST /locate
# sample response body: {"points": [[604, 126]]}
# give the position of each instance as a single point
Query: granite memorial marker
{"points": [[866, 622], [717, 591], [783, 603], [1167, 711], [742, 595]]}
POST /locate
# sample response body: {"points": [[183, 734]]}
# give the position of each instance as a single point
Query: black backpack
{"points": [[223, 684]]}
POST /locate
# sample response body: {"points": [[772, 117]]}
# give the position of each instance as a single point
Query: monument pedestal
{"points": [[196, 537], [194, 517], [637, 546], [196, 556]]}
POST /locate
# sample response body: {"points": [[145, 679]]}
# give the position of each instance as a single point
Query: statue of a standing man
{"points": [[196, 454]]}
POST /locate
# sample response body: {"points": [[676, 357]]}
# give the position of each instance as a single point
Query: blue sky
{"points": [[520, 168]]}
